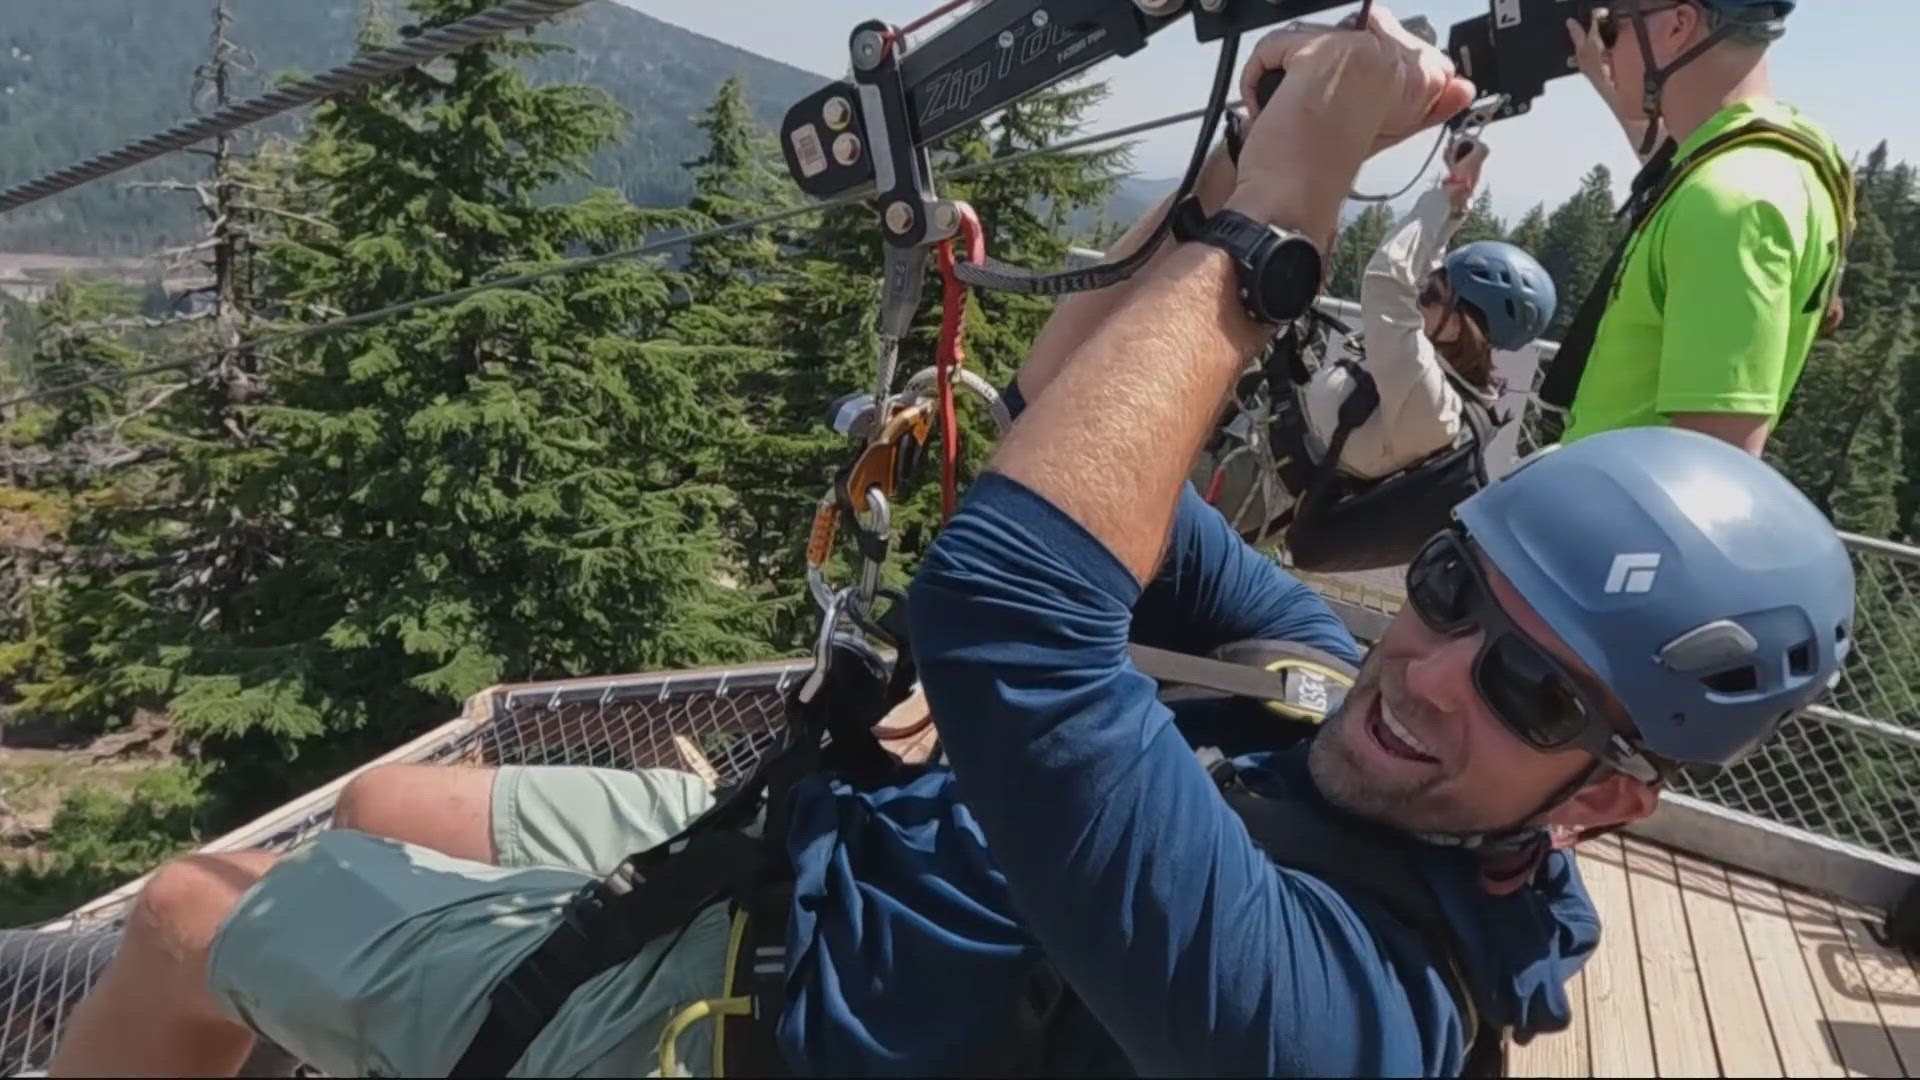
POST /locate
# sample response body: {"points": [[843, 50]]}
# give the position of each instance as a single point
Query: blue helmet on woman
{"points": [[1508, 287], [1712, 599]]}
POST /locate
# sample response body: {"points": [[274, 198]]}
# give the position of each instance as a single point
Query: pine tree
{"points": [[510, 487], [1863, 485], [1481, 222], [71, 460], [1531, 234], [1579, 238], [731, 325], [1819, 443], [1354, 248]]}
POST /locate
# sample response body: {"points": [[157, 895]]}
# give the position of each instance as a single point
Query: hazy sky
{"points": [[1848, 62]]}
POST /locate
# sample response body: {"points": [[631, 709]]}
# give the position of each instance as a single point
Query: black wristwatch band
{"points": [[1279, 272]]}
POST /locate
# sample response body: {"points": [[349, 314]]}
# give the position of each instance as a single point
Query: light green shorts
{"points": [[359, 955]]}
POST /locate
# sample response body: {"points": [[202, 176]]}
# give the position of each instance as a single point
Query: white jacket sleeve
{"points": [[1419, 411]]}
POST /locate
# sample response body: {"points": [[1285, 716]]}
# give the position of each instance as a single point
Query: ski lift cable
{"points": [[574, 265], [373, 67]]}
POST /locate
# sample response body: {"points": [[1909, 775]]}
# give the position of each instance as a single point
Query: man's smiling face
{"points": [[1417, 746]]}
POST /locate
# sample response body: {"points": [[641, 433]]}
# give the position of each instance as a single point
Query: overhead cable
{"points": [[575, 265], [497, 20]]}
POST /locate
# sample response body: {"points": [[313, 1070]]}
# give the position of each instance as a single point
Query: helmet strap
{"points": [[1510, 857], [1654, 81]]}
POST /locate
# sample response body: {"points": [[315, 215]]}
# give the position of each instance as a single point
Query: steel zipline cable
{"points": [[588, 263], [497, 20]]}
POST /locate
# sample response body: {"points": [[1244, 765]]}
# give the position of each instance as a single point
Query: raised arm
{"points": [[1080, 315], [1144, 890], [1210, 959]]}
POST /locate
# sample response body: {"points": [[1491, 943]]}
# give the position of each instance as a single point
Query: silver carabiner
{"points": [[922, 384], [818, 587], [823, 648], [882, 530]]}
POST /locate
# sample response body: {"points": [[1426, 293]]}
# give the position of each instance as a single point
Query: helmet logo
{"points": [[1632, 574]]}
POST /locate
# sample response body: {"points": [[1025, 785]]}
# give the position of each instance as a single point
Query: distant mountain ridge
{"points": [[84, 76]]}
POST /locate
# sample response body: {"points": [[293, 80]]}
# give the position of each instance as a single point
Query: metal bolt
{"points": [[1040, 19], [1164, 7], [1213, 7], [946, 218], [900, 218], [1006, 39], [846, 148], [868, 48], [837, 113]]}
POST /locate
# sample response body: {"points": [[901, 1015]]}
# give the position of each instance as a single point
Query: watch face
{"points": [[1290, 279]]}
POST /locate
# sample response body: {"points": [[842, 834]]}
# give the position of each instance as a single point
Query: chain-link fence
{"points": [[1849, 769]]}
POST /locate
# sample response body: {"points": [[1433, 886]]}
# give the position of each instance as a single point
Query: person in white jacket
{"points": [[1424, 320]]}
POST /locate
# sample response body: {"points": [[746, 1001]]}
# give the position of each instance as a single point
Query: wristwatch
{"points": [[1279, 271]]}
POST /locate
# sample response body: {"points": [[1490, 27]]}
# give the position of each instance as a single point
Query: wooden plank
{"points": [[1618, 1036], [1563, 1053], [1794, 1010], [1852, 1020], [1740, 1029], [1890, 980], [1676, 1004]]}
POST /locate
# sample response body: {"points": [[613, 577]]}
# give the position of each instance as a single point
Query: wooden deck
{"points": [[1708, 971]]}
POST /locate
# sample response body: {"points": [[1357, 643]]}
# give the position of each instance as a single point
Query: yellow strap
{"points": [[1839, 185], [705, 1008], [708, 1008]]}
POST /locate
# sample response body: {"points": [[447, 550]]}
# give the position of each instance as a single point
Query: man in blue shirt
{"points": [[1554, 659]]}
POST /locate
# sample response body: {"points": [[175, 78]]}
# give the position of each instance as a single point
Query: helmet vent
{"points": [[1741, 680], [1800, 659]]}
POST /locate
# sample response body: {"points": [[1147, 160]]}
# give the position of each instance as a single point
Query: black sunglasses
{"points": [[1610, 22], [1433, 294], [1532, 692]]}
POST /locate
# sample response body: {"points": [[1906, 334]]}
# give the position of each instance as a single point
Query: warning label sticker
{"points": [[807, 150]]}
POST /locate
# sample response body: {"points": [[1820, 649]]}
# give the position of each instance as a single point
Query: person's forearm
{"points": [[1135, 401], [1079, 315]]}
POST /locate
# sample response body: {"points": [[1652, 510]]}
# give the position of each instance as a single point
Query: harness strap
{"points": [[601, 929], [1354, 857], [1359, 406], [1655, 184], [1278, 684], [658, 892]]}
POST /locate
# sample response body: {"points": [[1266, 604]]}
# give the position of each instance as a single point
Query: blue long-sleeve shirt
{"points": [[1076, 824]]}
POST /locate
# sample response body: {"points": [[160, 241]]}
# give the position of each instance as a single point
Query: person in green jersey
{"points": [[1732, 269]]}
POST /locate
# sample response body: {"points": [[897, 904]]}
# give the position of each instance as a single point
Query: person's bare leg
{"points": [[152, 1013], [448, 808]]}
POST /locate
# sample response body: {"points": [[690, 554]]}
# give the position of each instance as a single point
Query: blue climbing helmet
{"points": [[1509, 288], [1769, 16], [1707, 593]]}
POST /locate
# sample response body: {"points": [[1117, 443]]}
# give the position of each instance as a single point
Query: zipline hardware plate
{"points": [[902, 100]]}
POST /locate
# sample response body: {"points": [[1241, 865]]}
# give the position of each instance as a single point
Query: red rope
{"points": [[1214, 485], [952, 352], [923, 20]]}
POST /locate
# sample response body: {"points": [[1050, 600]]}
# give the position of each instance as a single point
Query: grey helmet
{"points": [[1707, 593]]}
